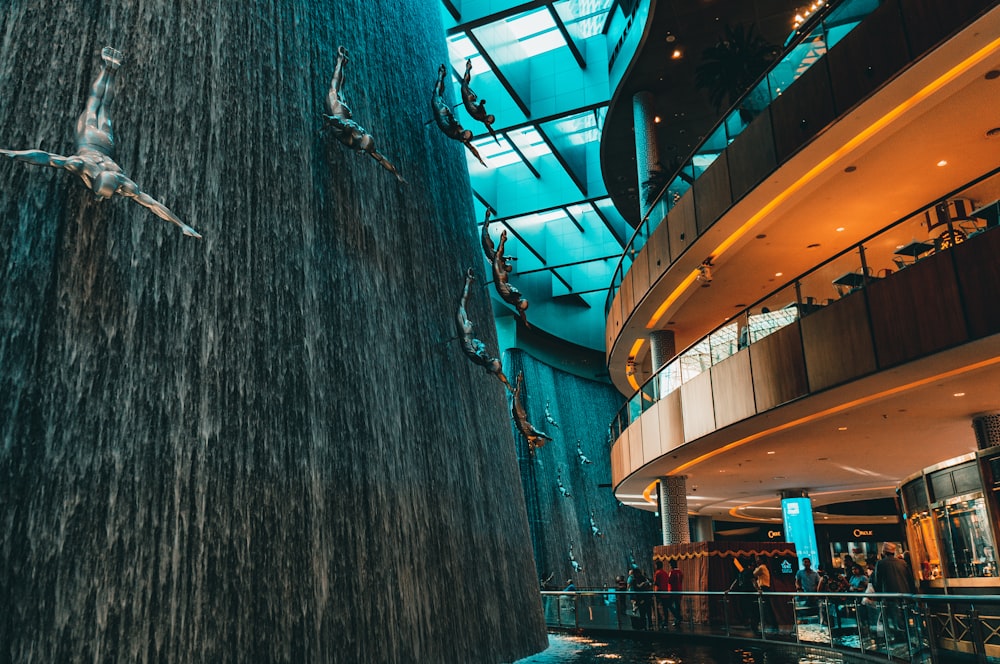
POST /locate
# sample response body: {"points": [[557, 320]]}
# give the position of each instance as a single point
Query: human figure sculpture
{"points": [[445, 118], [563, 491], [535, 437], [477, 111], [551, 420], [501, 269], [573, 561], [508, 292], [473, 348], [595, 530], [94, 161], [338, 119], [580, 455], [489, 248]]}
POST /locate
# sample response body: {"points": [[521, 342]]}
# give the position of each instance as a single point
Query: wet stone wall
{"points": [[250, 447], [584, 515]]}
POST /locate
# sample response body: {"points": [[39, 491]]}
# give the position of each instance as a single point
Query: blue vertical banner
{"points": [[797, 514]]}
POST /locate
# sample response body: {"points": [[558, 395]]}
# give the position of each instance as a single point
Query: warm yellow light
{"points": [[677, 55], [834, 410], [942, 163], [683, 286]]}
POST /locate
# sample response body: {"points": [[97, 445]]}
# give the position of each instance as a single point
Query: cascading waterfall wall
{"points": [[250, 447], [583, 409]]}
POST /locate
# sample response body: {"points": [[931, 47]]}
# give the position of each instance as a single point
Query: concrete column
{"points": [[987, 428], [647, 151], [661, 347], [673, 509]]}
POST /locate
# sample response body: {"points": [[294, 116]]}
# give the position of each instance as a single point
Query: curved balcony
{"points": [[874, 337], [809, 126]]}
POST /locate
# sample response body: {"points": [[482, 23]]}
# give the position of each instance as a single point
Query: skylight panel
{"points": [[583, 18], [536, 31], [579, 129], [530, 142], [496, 155]]}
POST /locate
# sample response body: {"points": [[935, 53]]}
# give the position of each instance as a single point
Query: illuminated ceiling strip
{"points": [[815, 171], [667, 303], [737, 511], [833, 410], [631, 359]]}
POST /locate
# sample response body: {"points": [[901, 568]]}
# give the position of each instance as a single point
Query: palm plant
{"points": [[733, 64]]}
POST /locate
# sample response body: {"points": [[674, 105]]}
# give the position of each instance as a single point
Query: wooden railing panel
{"points": [[697, 406], [779, 369], [732, 389], [837, 343]]}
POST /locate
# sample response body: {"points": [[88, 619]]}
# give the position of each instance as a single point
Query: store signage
{"points": [[862, 533], [799, 527], [773, 534]]}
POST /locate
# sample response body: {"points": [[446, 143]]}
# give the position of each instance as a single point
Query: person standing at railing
{"points": [[762, 579], [661, 584], [638, 582], [893, 575], [676, 579], [807, 581]]}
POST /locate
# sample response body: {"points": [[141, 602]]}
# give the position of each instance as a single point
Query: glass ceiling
{"points": [[544, 75]]}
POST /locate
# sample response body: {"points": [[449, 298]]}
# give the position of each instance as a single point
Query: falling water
{"points": [[250, 447], [583, 409]]}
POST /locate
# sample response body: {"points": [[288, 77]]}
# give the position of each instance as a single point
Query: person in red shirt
{"points": [[676, 580], [661, 584]]}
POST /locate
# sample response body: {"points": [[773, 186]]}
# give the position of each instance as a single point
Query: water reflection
{"points": [[569, 649]]}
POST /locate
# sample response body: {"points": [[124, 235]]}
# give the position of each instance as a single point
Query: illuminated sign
{"points": [[862, 533], [773, 534], [799, 527]]}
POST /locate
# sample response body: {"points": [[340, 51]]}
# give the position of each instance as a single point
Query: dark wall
{"points": [[250, 447], [582, 408]]}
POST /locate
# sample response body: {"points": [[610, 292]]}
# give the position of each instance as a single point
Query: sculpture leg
{"points": [[95, 115]]}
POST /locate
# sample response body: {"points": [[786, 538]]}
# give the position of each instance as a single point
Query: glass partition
{"points": [[969, 550]]}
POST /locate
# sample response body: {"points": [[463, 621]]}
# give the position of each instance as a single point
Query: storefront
{"points": [[860, 543], [951, 522]]}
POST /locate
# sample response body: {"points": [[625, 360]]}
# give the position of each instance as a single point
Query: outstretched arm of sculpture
{"points": [[37, 157], [130, 189], [386, 164], [488, 248]]}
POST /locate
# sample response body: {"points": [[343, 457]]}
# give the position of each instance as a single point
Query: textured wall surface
{"points": [[583, 409], [249, 447]]}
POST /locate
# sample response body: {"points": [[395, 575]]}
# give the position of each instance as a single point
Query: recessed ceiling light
{"points": [[840, 229], [993, 133], [814, 245], [850, 169], [942, 163], [671, 38], [779, 477], [761, 236], [958, 394], [677, 55], [841, 428], [823, 459], [992, 74], [657, 119], [778, 274], [771, 452]]}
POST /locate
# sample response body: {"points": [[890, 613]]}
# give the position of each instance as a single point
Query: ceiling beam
{"points": [[520, 154], [580, 60], [504, 81], [582, 186]]}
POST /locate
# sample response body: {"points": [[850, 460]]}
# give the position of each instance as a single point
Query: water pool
{"points": [[570, 649]]}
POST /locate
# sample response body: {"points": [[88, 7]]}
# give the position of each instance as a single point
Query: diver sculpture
{"points": [[595, 530], [535, 437], [94, 161], [473, 348], [551, 420], [445, 118], [501, 270], [339, 120], [573, 561], [477, 111], [563, 491], [584, 460]]}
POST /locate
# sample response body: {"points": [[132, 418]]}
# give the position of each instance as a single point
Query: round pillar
{"points": [[673, 509], [647, 151], [987, 428], [661, 347]]}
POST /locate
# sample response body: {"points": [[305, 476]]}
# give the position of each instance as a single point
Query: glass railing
{"points": [[827, 26], [956, 218], [911, 628]]}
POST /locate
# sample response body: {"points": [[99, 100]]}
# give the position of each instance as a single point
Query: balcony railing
{"points": [[961, 216]]}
